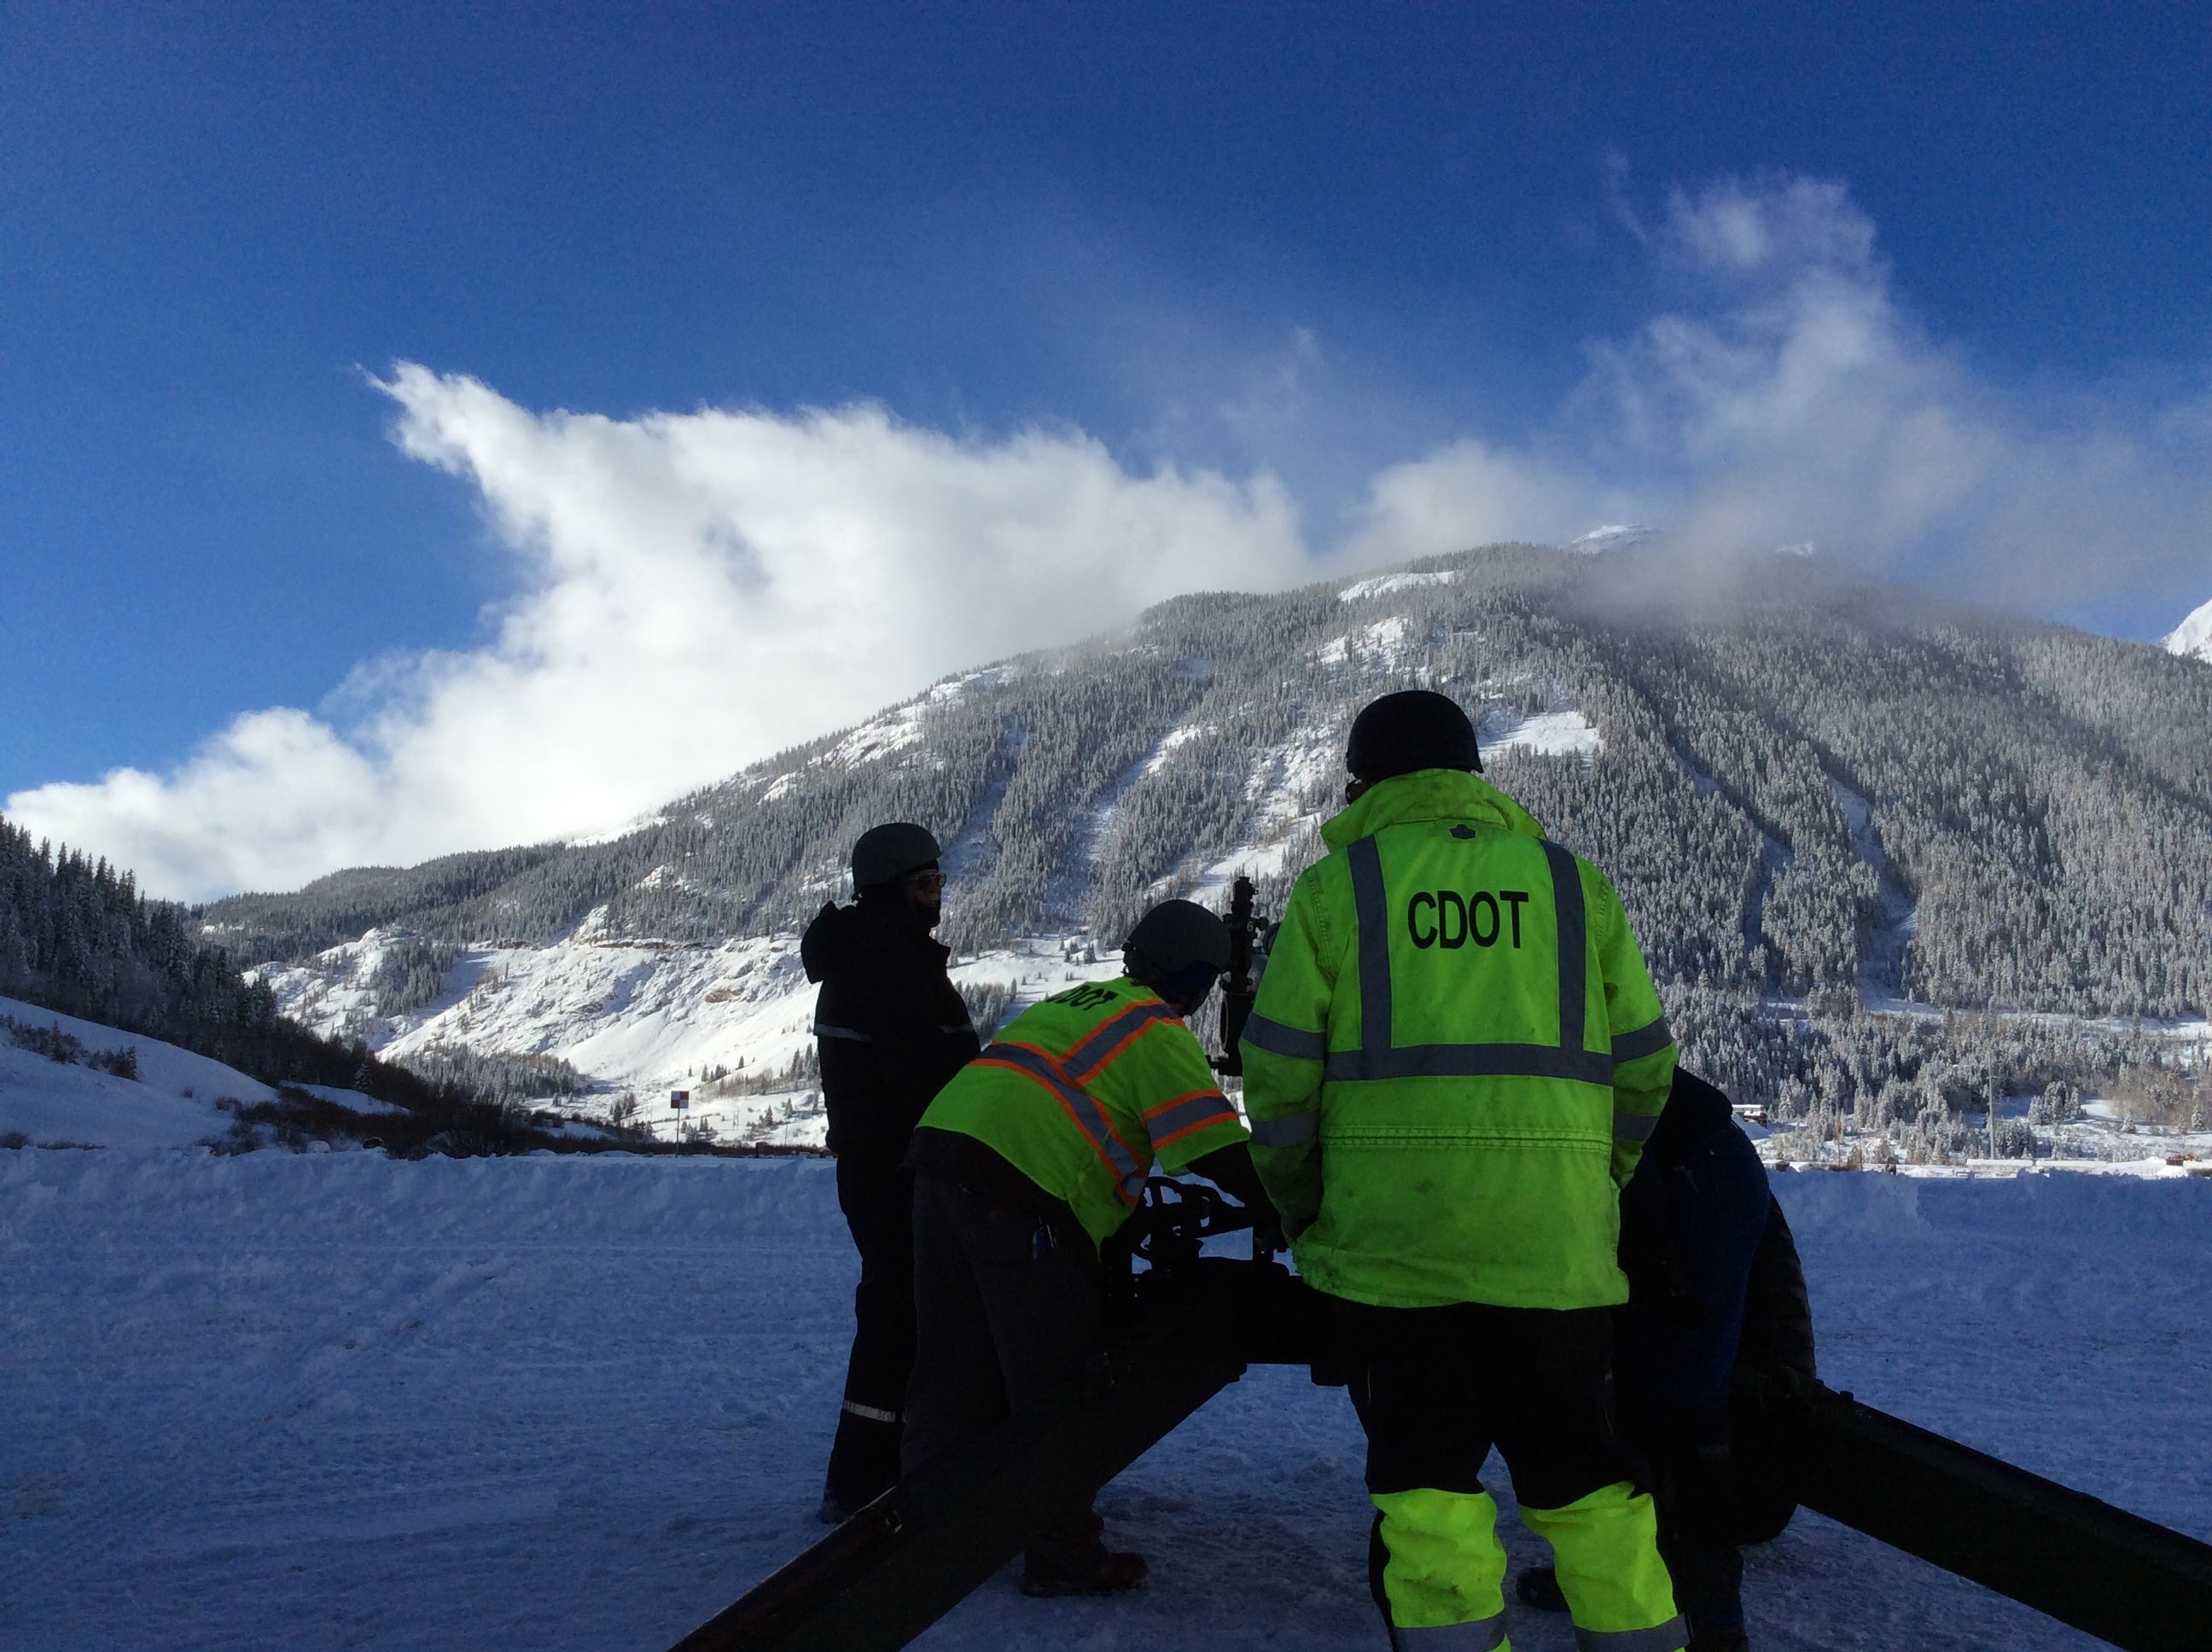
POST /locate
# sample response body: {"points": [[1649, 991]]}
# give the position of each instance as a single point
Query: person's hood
{"points": [[830, 941], [839, 936], [1426, 794]]}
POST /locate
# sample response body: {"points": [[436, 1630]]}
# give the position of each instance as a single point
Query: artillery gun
{"points": [[1183, 1325]]}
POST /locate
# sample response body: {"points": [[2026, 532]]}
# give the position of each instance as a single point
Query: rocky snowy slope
{"points": [[727, 1024]]}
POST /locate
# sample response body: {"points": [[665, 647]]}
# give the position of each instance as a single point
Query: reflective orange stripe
{"points": [[1087, 1059], [1196, 1110], [1041, 1068]]}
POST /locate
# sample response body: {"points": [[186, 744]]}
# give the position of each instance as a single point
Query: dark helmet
{"points": [[1416, 729], [885, 853], [1178, 949]]}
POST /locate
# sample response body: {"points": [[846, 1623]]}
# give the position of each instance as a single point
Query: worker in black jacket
{"points": [[892, 1030], [1714, 1283]]}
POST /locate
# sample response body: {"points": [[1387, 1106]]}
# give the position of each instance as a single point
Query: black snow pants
{"points": [[1009, 1316], [877, 1196], [1437, 1388]]}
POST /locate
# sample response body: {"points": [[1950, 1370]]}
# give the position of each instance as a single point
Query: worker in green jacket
{"points": [[1025, 1163], [1454, 1057]]}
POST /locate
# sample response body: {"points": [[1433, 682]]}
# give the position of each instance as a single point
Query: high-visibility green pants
{"points": [[1444, 1577], [1434, 1388]]}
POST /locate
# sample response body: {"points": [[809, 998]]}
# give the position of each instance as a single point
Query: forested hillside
{"points": [[1818, 797], [1823, 786]]}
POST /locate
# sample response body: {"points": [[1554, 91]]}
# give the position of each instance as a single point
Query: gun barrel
{"points": [[2127, 1580], [1238, 987], [914, 1554], [900, 1563]]}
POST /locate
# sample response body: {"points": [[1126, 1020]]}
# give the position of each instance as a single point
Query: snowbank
{"points": [[171, 1104]]}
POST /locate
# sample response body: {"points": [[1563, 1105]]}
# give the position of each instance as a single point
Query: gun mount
{"points": [[2124, 1579], [1181, 1326], [1185, 1325], [1179, 1331]]}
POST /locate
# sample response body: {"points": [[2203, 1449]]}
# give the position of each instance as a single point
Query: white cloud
{"points": [[1801, 401], [693, 591], [1749, 229], [1787, 397], [1470, 493]]}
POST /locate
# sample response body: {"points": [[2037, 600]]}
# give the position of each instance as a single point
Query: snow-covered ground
{"points": [[340, 1401], [1563, 734], [899, 728], [1385, 645]]}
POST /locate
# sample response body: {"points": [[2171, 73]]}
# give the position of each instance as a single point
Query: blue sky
{"points": [[1300, 285]]}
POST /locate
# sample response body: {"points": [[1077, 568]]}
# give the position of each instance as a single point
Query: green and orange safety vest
{"points": [[1084, 1091], [1456, 1057]]}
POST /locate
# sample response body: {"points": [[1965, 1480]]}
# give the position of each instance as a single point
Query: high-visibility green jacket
{"points": [[1082, 1092], [1454, 1057]]}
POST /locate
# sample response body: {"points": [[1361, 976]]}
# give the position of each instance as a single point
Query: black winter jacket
{"points": [[892, 1027]]}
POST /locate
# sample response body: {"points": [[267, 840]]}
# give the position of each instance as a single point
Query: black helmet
{"points": [[885, 853], [1178, 949], [1416, 729]]}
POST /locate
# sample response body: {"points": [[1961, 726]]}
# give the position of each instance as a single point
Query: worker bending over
{"points": [[1025, 1164]]}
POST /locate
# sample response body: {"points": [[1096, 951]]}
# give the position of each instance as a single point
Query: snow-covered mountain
{"points": [[1826, 792], [2193, 638]]}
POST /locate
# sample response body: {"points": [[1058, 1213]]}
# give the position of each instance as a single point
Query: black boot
{"points": [[864, 1464]]}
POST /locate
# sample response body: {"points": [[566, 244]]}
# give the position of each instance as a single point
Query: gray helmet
{"points": [[887, 851], [1402, 732], [1177, 949]]}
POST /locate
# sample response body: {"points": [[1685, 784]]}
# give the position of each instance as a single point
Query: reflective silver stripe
{"points": [[1481, 1635], [1276, 1039], [1208, 1107], [1470, 1061], [1574, 944], [869, 1411], [1368, 899], [1086, 1057], [823, 1030], [1644, 1040], [1376, 1059], [1633, 1126], [1292, 1132], [1090, 1117], [1668, 1636]]}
